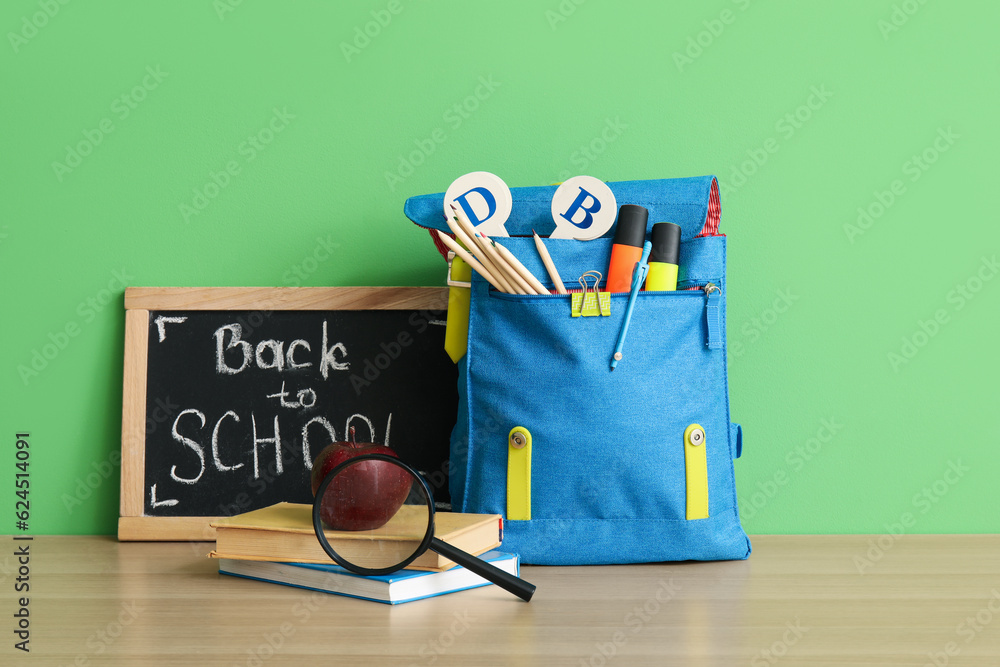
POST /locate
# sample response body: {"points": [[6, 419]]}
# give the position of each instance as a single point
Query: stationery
{"points": [[663, 259], [468, 237], [640, 274], [470, 260], [486, 253], [484, 197], [513, 275], [627, 247], [520, 268], [550, 266], [284, 532], [395, 588], [507, 272], [589, 303], [583, 208]]}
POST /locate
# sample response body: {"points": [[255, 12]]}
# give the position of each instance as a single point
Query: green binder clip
{"points": [[589, 303]]}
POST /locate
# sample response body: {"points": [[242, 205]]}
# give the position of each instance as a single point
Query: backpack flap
{"points": [[692, 203]]}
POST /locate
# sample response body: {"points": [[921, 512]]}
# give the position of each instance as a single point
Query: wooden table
{"points": [[798, 600]]}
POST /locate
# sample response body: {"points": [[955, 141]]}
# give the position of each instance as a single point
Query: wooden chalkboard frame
{"points": [[132, 525]]}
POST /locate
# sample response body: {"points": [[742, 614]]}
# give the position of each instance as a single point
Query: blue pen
{"points": [[638, 276]]}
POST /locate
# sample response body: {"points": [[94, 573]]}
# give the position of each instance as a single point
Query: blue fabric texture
{"points": [[682, 201], [608, 478]]}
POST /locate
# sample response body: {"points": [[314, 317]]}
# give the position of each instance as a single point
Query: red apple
{"points": [[365, 495]]}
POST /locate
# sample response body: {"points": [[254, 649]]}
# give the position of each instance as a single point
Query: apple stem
{"points": [[353, 440]]}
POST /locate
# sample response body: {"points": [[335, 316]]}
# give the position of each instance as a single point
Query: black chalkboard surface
{"points": [[238, 401]]}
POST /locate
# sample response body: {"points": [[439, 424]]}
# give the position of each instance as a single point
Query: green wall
{"points": [[805, 112]]}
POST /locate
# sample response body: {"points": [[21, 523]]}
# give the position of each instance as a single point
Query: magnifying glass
{"points": [[389, 511]]}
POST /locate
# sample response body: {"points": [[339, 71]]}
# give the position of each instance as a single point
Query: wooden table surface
{"points": [[799, 600]]}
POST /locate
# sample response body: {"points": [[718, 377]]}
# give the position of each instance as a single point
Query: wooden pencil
{"points": [[474, 249], [490, 254], [550, 266], [512, 272], [469, 259], [534, 282]]}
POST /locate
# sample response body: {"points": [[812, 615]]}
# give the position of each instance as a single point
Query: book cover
{"points": [[395, 588]]}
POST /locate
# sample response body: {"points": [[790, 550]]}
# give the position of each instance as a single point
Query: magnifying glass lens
{"points": [[380, 510]]}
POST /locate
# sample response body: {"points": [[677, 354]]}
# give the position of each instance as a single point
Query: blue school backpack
{"points": [[586, 465]]}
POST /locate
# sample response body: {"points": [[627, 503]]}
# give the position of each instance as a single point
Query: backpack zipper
{"points": [[713, 315]]}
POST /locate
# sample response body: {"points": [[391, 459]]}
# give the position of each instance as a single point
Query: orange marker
{"points": [[630, 234]]}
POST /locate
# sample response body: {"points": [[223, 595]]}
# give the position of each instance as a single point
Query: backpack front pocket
{"points": [[606, 445]]}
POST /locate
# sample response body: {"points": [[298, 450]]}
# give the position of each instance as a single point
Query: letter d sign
{"points": [[484, 198], [583, 208]]}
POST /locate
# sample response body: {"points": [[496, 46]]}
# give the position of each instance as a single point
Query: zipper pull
{"points": [[713, 315]]}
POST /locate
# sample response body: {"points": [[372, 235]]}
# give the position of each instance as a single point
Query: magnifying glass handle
{"points": [[505, 580]]}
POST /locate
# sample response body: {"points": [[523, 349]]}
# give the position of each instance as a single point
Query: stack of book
{"points": [[277, 544]]}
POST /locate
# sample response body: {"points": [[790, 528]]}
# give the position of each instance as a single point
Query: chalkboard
{"points": [[231, 392]]}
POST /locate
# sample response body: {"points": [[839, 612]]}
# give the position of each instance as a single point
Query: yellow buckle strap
{"points": [[519, 474], [696, 470]]}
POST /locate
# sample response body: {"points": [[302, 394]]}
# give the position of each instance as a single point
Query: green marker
{"points": [[662, 277]]}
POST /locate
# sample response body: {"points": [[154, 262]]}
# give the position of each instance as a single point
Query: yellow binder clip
{"points": [[590, 302]]}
